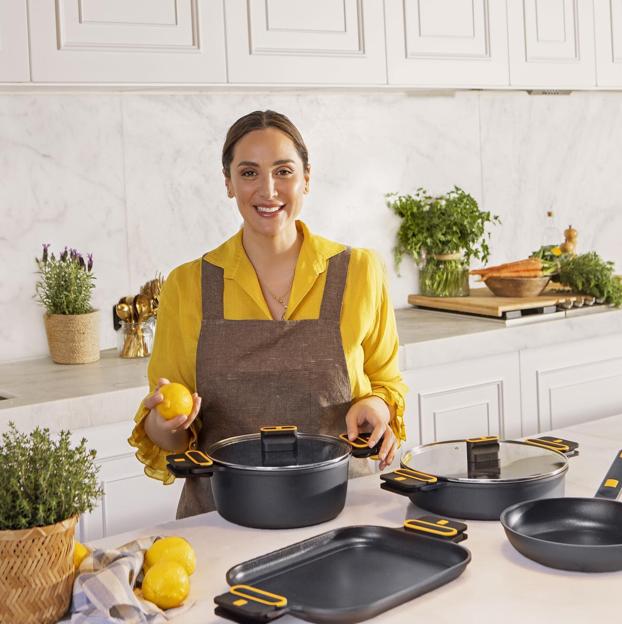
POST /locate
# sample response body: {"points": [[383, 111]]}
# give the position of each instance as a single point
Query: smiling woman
{"points": [[275, 326]]}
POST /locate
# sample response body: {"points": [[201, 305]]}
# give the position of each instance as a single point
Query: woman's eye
{"points": [[283, 172], [248, 174]]}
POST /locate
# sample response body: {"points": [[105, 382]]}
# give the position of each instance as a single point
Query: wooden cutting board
{"points": [[482, 301]]}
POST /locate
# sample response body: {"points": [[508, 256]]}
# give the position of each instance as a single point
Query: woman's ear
{"points": [[307, 178], [228, 185]]}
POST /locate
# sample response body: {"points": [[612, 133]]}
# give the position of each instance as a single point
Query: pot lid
{"points": [[498, 461], [287, 450]]}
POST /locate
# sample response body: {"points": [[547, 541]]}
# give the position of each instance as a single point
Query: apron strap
{"points": [[212, 287], [335, 286]]}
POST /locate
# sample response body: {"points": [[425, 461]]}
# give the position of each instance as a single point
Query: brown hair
{"points": [[259, 120]]}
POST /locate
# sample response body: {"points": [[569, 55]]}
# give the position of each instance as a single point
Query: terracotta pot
{"points": [[36, 573], [73, 338]]}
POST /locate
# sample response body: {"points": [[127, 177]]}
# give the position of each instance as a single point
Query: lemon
{"points": [[166, 584], [80, 551], [172, 549], [177, 400]]}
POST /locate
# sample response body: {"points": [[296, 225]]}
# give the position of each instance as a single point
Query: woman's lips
{"points": [[269, 211]]}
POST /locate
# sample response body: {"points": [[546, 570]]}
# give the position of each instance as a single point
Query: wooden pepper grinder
{"points": [[570, 243]]}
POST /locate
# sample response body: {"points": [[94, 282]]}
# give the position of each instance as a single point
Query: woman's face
{"points": [[268, 181]]}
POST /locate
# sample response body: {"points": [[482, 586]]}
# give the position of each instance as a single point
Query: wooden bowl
{"points": [[517, 286]]}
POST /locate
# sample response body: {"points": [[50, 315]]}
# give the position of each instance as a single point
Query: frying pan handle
{"points": [[437, 527], [566, 447], [191, 463], [612, 483], [406, 481], [245, 603], [360, 447]]}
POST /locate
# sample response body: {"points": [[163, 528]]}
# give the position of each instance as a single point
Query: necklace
{"points": [[282, 300]]}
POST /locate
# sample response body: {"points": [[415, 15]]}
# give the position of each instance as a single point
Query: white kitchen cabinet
{"points": [[14, 64], [463, 399], [608, 39], [551, 44], [447, 43], [563, 385], [143, 41], [300, 42], [131, 499]]}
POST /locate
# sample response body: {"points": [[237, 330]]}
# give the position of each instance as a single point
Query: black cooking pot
{"points": [[478, 478], [277, 478]]}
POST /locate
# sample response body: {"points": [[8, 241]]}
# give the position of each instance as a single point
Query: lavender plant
{"points": [[66, 284], [45, 479]]}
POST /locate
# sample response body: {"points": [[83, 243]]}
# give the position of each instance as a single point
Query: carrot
{"points": [[519, 265], [527, 273]]}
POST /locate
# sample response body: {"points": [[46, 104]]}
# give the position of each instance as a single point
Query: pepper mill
{"points": [[570, 243]]}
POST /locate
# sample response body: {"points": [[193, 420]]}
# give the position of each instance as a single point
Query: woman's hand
{"points": [[171, 435], [372, 414]]}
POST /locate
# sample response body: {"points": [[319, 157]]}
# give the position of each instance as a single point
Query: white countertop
{"points": [[498, 585]]}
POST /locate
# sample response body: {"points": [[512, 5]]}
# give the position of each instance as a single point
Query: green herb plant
{"points": [[433, 226], [44, 478], [589, 274], [66, 283]]}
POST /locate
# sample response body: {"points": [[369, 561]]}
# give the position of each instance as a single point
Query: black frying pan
{"points": [[348, 574], [583, 534]]}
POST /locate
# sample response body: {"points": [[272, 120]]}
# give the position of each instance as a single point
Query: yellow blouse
{"points": [[368, 331]]}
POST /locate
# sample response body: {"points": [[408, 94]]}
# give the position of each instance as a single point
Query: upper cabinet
{"points": [[608, 35], [551, 43], [142, 41], [300, 42], [447, 43], [14, 65]]}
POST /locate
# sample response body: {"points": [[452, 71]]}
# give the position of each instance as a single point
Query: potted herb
{"points": [[64, 288], [442, 233], [46, 484]]}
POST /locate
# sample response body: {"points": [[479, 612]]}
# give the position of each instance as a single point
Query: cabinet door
{"points": [[131, 500], [300, 42], [608, 32], [14, 65], [447, 43], [569, 384], [551, 43], [143, 41], [465, 399]]}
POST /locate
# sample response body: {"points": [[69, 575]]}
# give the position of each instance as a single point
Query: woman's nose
{"points": [[268, 187]]}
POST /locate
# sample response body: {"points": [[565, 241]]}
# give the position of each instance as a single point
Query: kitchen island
{"points": [[499, 585]]}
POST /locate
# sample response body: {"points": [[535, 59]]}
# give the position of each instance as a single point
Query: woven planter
{"points": [[73, 338], [36, 573]]}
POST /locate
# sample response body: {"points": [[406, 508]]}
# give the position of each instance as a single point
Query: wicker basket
{"points": [[36, 573], [73, 338]]}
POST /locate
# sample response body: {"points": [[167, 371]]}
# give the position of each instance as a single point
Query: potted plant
{"points": [[442, 233], [64, 288], [46, 484]]}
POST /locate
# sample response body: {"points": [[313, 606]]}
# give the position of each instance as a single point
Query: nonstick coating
{"points": [[354, 573], [568, 533]]}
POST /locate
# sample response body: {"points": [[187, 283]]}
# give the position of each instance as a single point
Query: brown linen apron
{"points": [[257, 372]]}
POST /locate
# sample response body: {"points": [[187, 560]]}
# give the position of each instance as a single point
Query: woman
{"points": [[275, 326]]}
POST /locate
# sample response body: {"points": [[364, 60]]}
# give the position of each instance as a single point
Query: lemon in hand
{"points": [[166, 584], [80, 551], [177, 400], [173, 549]]}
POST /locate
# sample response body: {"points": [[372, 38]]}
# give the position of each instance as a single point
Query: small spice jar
{"points": [[135, 339]]}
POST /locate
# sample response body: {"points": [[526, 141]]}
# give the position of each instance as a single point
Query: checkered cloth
{"points": [[103, 590]]}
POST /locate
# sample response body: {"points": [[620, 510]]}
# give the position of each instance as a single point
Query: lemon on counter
{"points": [[171, 549], [80, 551], [177, 400], [166, 584]]}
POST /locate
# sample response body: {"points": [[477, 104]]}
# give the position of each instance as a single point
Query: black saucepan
{"points": [[277, 478], [583, 534], [348, 574], [478, 478]]}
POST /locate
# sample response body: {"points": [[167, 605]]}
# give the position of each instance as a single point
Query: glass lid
{"points": [[507, 461], [300, 450]]}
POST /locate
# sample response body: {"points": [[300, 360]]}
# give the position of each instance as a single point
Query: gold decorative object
{"points": [[137, 315], [570, 243]]}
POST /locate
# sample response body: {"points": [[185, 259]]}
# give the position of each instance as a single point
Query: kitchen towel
{"points": [[103, 590]]}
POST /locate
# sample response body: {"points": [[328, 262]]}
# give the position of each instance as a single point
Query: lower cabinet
{"points": [[463, 399], [572, 383], [131, 500]]}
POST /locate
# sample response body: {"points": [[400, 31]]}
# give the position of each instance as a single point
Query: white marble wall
{"points": [[136, 179]]}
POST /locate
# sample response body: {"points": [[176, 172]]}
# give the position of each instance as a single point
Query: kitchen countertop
{"points": [[73, 396], [498, 585]]}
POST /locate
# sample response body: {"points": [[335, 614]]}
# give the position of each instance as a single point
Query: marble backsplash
{"points": [[135, 178]]}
